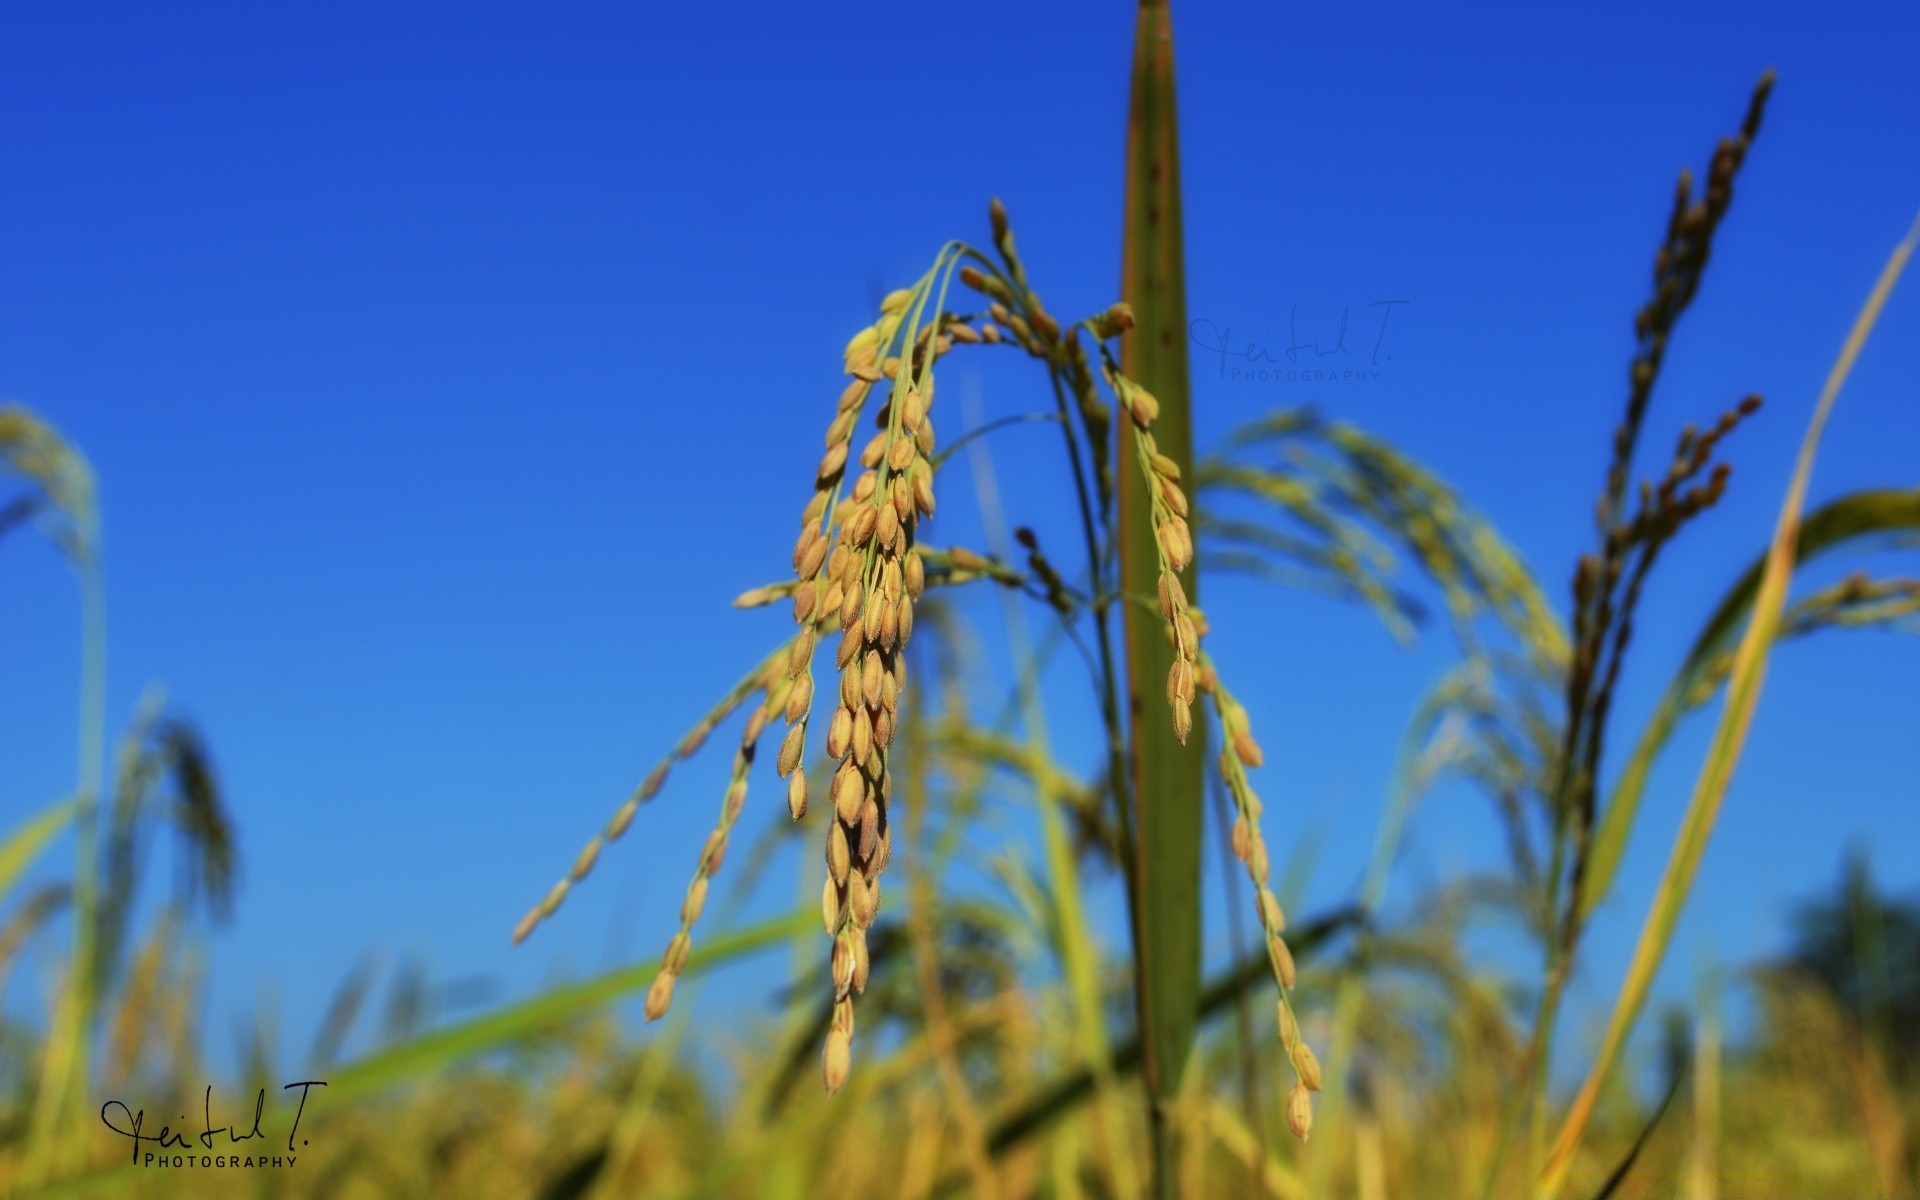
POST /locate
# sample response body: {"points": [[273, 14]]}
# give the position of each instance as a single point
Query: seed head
{"points": [[1300, 1111], [660, 995], [836, 1060], [1307, 1065]]}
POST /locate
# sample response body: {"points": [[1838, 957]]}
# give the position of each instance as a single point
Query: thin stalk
{"points": [[1723, 755], [1167, 775], [64, 1072]]}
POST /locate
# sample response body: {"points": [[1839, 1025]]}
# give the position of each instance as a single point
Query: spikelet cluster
{"points": [[1238, 752], [1193, 670], [767, 676], [775, 688], [1173, 538], [859, 572]]}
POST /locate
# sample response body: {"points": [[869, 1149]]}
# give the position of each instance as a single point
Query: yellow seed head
{"points": [[839, 854], [696, 900], [864, 341], [800, 697], [849, 649], [1248, 749], [797, 795], [793, 747], [842, 964], [1180, 683], [850, 603], [800, 654], [1270, 914], [849, 793], [660, 995], [1175, 498], [863, 901], [1289, 1032], [1282, 961], [589, 855], [861, 963], [836, 1060], [869, 831], [896, 301], [840, 733], [831, 463], [1300, 1111], [830, 905], [862, 736], [1307, 1065], [623, 818]]}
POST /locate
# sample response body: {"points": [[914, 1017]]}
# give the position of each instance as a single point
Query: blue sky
{"points": [[448, 370]]}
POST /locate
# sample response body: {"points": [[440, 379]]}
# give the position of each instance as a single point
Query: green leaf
{"points": [[1830, 527], [1166, 776], [24, 844], [430, 1052], [1747, 672]]}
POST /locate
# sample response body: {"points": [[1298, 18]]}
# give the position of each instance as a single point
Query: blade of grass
{"points": [[1723, 755], [26, 842], [1166, 775], [1830, 527], [441, 1048]]}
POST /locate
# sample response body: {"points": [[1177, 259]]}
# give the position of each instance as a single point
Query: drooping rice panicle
{"points": [[1238, 751], [660, 994], [1173, 539], [858, 565], [761, 678]]}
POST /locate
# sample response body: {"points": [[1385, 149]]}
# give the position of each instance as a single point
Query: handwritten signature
{"points": [[133, 1123], [1259, 360]]}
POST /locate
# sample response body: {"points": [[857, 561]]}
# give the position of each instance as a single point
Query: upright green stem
{"points": [[1167, 776]]}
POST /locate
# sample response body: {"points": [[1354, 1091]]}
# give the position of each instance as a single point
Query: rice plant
{"points": [[1005, 1047]]}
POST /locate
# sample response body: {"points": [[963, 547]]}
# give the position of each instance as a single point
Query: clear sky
{"points": [[447, 370]]}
